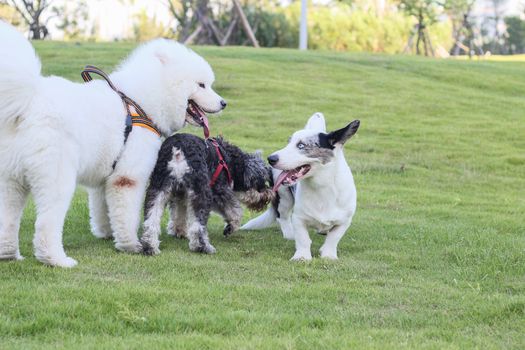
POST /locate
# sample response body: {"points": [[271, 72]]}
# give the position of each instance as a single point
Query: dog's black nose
{"points": [[223, 104], [273, 159]]}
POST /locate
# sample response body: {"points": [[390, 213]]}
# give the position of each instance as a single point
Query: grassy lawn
{"points": [[435, 257]]}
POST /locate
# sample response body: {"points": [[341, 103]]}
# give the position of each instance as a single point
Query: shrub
{"points": [[341, 27]]}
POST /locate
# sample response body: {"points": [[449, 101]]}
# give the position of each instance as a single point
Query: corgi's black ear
{"points": [[339, 136]]}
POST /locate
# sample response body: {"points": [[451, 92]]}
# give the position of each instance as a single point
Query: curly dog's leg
{"points": [[156, 201], [198, 214], [177, 225]]}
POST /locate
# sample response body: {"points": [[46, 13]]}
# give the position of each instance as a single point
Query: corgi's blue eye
{"points": [[201, 85], [300, 145]]}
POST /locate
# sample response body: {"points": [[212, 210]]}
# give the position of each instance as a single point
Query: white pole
{"points": [[303, 31], [380, 8]]}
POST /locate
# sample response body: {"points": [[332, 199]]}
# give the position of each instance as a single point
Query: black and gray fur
{"points": [[181, 179]]}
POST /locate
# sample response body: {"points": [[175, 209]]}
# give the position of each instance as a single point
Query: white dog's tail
{"points": [[19, 73], [265, 220]]}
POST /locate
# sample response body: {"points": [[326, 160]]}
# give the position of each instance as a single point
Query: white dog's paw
{"points": [[326, 253], [19, 257], [102, 235], [198, 247], [11, 256], [301, 256], [150, 248], [9, 251], [64, 261], [132, 247], [209, 249], [150, 251], [329, 256], [54, 258], [67, 262]]}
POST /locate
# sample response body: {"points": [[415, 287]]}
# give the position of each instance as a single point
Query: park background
{"points": [[476, 27], [435, 256]]}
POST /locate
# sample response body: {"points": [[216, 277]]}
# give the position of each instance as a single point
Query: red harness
{"points": [[221, 166]]}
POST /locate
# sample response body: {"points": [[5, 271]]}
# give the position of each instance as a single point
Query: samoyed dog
{"points": [[55, 134]]}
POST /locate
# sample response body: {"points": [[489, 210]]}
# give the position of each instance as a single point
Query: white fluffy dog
{"points": [[55, 133]]}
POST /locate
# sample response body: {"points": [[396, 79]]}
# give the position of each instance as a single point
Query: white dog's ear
{"points": [[316, 122], [339, 137]]}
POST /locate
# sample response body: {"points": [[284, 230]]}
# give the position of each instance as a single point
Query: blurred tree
{"points": [[426, 12], [208, 29], [184, 13], [342, 27], [458, 11], [463, 30], [31, 12], [73, 18], [336, 25], [497, 6], [209, 21], [515, 38], [270, 25], [147, 28], [9, 14]]}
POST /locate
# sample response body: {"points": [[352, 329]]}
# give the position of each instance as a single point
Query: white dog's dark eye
{"points": [[300, 145], [201, 85]]}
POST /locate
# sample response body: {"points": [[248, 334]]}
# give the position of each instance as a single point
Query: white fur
{"points": [[325, 199], [264, 220], [55, 134], [178, 165]]}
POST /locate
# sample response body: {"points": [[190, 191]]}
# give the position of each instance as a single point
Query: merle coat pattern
{"points": [[323, 196], [181, 179]]}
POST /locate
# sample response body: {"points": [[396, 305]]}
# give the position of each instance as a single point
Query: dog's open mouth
{"points": [[290, 177], [197, 117]]}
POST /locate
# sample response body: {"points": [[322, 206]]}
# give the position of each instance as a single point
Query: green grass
{"points": [[435, 257]]}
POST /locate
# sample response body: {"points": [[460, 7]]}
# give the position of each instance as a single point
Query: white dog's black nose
{"points": [[273, 159], [223, 104]]}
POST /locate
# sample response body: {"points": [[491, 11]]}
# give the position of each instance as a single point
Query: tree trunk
{"points": [[420, 27], [31, 16], [245, 23], [429, 43], [229, 32], [193, 35]]}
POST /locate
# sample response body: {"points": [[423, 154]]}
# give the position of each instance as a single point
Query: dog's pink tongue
{"points": [[205, 126], [282, 176]]}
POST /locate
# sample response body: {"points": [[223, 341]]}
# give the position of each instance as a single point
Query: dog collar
{"points": [[221, 166], [135, 114]]}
